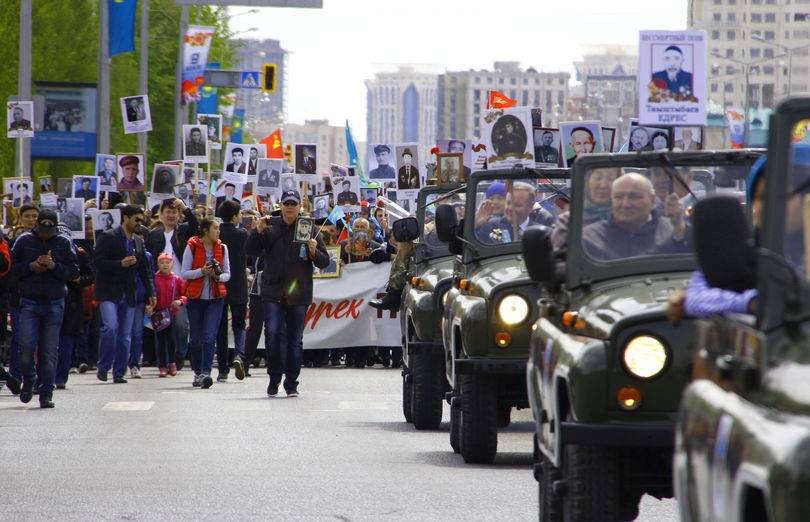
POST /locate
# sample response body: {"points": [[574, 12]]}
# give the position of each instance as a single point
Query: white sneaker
{"points": [[134, 373]]}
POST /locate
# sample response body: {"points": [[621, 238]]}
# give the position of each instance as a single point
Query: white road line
{"points": [[128, 406], [362, 405]]}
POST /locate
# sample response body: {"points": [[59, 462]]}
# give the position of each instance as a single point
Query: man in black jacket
{"points": [[119, 260], [171, 236], [237, 296], [286, 289], [43, 261]]}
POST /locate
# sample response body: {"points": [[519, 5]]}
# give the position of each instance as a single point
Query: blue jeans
{"points": [[180, 331], [238, 312], [65, 357], [39, 332], [284, 355], [203, 317], [14, 347], [115, 336], [136, 346]]}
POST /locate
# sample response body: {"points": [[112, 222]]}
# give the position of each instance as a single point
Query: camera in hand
{"points": [[216, 268]]}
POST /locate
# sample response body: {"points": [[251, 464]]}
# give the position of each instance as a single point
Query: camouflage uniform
{"points": [[400, 266]]}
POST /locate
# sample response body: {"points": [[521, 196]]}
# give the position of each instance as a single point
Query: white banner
{"points": [[340, 316]]}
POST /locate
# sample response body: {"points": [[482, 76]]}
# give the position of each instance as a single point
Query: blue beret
{"points": [[496, 189], [801, 156]]}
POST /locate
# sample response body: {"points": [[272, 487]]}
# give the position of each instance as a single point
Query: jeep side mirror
{"points": [[405, 229], [538, 254], [446, 223]]}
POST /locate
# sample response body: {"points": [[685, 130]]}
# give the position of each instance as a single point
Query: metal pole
{"points": [[24, 84], [746, 105], [179, 108], [104, 78], [144, 69], [790, 71]]}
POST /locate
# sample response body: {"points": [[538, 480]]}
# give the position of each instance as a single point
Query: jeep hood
{"points": [[496, 271], [434, 271]]}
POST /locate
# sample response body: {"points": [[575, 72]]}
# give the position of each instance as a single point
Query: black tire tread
{"points": [[479, 419], [594, 483], [455, 428], [550, 505], [427, 383], [406, 399]]}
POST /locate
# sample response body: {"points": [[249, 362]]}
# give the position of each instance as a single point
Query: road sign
{"points": [[249, 80], [269, 77]]}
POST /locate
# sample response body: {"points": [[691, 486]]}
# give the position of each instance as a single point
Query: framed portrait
{"points": [[86, 188], [303, 229], [645, 138], [409, 175], [369, 195], [546, 146], [320, 206], [347, 190], [164, 178], [213, 124], [333, 269], [195, 145], [21, 191], [688, 138], [64, 187], [72, 215], [579, 138], [45, 184], [227, 190], [459, 146], [608, 138], [288, 182], [235, 158], [20, 119], [185, 192], [381, 162], [107, 175], [268, 178], [104, 220], [306, 155], [131, 176], [449, 168], [135, 113], [508, 138], [255, 152], [248, 203]]}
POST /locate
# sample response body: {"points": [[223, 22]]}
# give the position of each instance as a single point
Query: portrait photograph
{"points": [[407, 162], [86, 188], [248, 203], [131, 176], [448, 168], [268, 178], [185, 192], [303, 229], [608, 138], [104, 220], [64, 187], [195, 145], [346, 190], [135, 113], [339, 170], [20, 119], [213, 132], [333, 268], [72, 215], [226, 190], [579, 138], [106, 172], [462, 146], [306, 155], [45, 184], [288, 182], [189, 173], [688, 138], [255, 152], [643, 138], [508, 138], [21, 191], [235, 158], [546, 146], [164, 178], [48, 200], [370, 195], [381, 162], [320, 206]]}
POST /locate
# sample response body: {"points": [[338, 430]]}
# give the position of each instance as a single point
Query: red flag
{"points": [[273, 143], [498, 100], [344, 235]]}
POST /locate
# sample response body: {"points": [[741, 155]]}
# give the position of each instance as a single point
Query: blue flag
{"points": [[354, 160], [336, 215], [122, 26]]}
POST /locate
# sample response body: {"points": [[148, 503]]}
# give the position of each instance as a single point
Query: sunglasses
{"points": [[290, 204]]}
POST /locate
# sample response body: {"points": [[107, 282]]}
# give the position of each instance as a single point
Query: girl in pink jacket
{"points": [[169, 289]]}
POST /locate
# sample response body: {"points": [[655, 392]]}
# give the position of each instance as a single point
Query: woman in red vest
{"points": [[206, 269]]}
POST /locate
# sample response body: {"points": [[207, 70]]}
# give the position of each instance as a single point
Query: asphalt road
{"points": [[160, 449]]}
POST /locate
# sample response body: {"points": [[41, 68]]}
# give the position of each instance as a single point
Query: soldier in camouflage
{"points": [[397, 278]]}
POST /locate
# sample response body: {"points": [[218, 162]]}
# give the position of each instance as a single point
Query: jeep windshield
{"points": [[434, 247]]}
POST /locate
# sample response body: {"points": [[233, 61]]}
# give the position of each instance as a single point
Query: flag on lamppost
{"points": [[275, 149], [122, 26], [354, 160], [196, 44]]}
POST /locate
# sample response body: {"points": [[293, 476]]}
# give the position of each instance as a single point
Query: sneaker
{"points": [[83, 368], [222, 377], [272, 389], [163, 372], [172, 369], [197, 380], [119, 380], [135, 373], [293, 392], [207, 382], [239, 368], [101, 375]]}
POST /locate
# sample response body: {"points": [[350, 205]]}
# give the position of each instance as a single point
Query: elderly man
{"points": [[520, 214], [633, 228], [582, 142]]}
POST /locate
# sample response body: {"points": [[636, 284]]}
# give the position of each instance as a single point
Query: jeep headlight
{"points": [[645, 356], [513, 309]]}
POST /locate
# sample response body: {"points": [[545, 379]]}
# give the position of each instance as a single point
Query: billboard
{"points": [[69, 125]]}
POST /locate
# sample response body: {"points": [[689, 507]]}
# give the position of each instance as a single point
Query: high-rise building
{"points": [[264, 112], [463, 96], [401, 108], [331, 141], [758, 33]]}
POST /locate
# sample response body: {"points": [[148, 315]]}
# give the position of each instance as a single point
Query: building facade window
{"points": [[410, 110]]}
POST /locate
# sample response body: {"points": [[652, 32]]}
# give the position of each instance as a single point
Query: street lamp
{"points": [[788, 51]]}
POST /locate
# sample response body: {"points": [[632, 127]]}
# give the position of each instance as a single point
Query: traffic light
{"points": [[269, 77]]}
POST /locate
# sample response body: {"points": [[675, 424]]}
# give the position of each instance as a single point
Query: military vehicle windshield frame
{"points": [[432, 249]]}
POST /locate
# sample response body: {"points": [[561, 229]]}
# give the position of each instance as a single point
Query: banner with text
{"points": [[195, 55], [340, 316]]}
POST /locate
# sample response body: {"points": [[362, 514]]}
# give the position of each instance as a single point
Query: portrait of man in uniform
{"points": [[383, 159], [105, 170], [408, 175], [347, 196], [546, 146], [237, 163], [673, 77], [195, 144], [509, 136], [130, 173]]}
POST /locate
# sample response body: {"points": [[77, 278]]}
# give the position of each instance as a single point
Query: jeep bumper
{"points": [[640, 435], [491, 366]]}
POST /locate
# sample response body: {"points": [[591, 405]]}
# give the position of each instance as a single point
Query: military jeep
{"points": [[742, 448], [606, 368], [487, 310], [423, 377]]}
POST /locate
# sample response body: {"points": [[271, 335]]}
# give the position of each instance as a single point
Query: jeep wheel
{"points": [[550, 505], [593, 483], [504, 416], [479, 419], [427, 383], [407, 392], [455, 426]]}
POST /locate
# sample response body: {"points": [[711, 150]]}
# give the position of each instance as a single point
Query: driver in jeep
{"points": [[521, 213], [634, 228]]}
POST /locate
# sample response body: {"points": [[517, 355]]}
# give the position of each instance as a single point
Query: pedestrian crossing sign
{"points": [[250, 80]]}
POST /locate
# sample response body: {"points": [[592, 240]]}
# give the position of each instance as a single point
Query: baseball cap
{"points": [[290, 195], [46, 220]]}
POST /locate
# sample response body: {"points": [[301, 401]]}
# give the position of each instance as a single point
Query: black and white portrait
{"points": [[381, 162], [105, 220], [608, 138], [369, 195], [131, 174], [546, 146], [135, 113], [20, 119], [320, 206], [644, 138], [164, 178], [236, 158], [689, 138], [346, 190], [305, 158], [408, 176], [64, 187], [268, 178], [448, 168], [226, 191], [72, 215], [255, 152], [508, 138], [303, 229], [22, 191], [213, 124], [195, 145], [105, 170], [459, 146], [45, 184], [86, 188], [288, 182]]}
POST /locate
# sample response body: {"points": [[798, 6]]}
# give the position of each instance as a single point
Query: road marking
{"points": [[128, 406], [362, 405]]}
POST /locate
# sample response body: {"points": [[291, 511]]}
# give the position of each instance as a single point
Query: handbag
{"points": [[162, 319]]}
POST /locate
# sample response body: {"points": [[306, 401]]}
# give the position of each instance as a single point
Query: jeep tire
{"points": [[593, 483], [504, 416], [550, 505], [427, 384], [455, 425], [407, 393], [479, 419]]}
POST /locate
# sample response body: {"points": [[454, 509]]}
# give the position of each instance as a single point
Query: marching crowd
{"points": [[157, 289]]}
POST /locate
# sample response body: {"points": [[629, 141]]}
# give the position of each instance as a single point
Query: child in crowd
{"points": [[169, 288]]}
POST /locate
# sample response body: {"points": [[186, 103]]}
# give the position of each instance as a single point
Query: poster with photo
{"points": [[346, 190], [45, 184], [48, 200], [131, 176], [235, 158], [688, 138], [608, 138], [20, 119], [408, 171], [213, 124], [71, 213], [195, 145], [508, 137], [579, 138], [64, 187], [479, 157], [320, 206], [546, 147], [369, 195], [104, 220], [189, 173], [164, 178], [448, 168], [21, 191], [268, 179], [226, 190], [248, 203], [303, 229], [645, 138], [306, 155], [135, 113], [407, 199], [135, 197], [86, 188], [459, 146], [255, 152], [672, 78], [333, 268], [288, 182], [381, 162], [184, 191], [105, 170]]}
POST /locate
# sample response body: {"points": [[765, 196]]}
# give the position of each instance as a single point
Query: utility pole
{"points": [[23, 156], [179, 107], [144, 68], [103, 103]]}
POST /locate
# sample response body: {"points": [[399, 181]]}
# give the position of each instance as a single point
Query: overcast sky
{"points": [[334, 49]]}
